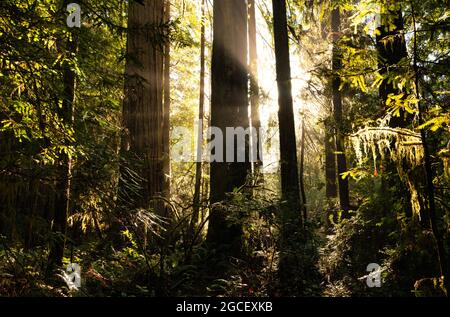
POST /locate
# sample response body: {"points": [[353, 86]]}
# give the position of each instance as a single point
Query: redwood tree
{"points": [[291, 217], [143, 111], [229, 103], [288, 145]]}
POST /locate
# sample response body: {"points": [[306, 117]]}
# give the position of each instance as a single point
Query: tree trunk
{"points": [[63, 182], [430, 190], [337, 110], [291, 216], [254, 88], [166, 120], [390, 52], [229, 108], [201, 113], [330, 161], [143, 110], [288, 146], [302, 170]]}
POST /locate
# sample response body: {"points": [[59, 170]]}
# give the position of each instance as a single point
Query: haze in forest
{"points": [[348, 195]]}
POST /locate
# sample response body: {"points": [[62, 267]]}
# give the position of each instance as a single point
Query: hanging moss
{"points": [[402, 146]]}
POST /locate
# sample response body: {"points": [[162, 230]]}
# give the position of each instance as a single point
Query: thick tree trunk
{"points": [[143, 111], [337, 110], [288, 146], [229, 103], [291, 209]]}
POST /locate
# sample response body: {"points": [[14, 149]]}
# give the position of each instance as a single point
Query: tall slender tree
{"points": [[433, 215], [338, 115], [254, 86], [330, 160], [288, 146], [391, 49], [229, 108], [291, 208], [166, 119], [63, 183], [302, 167], [201, 114]]}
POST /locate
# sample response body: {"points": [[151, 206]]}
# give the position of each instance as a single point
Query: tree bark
{"points": [[288, 146], [430, 190], [63, 183], [201, 113], [167, 102], [341, 159], [302, 170], [254, 88], [229, 108], [330, 161], [291, 209], [143, 109], [390, 52]]}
